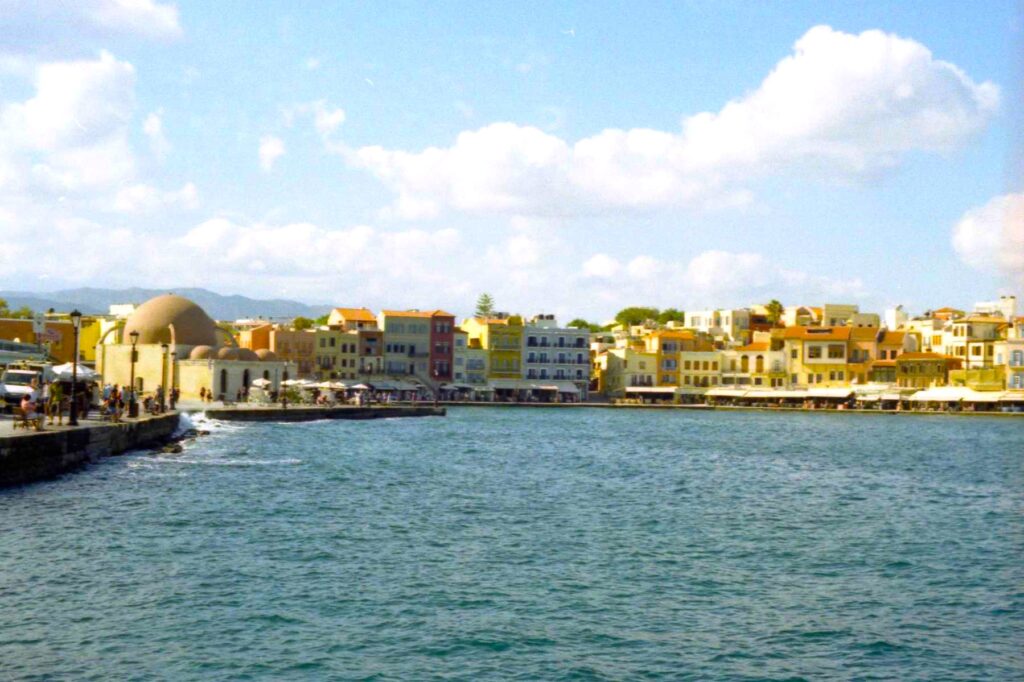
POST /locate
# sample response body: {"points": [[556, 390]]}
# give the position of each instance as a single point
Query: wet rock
{"points": [[171, 448]]}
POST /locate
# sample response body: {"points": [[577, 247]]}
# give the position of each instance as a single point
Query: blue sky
{"points": [[569, 158]]}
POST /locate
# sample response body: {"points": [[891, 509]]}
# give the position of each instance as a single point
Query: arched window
{"points": [[224, 382], [266, 374], [759, 364], [744, 364], [284, 377], [245, 379]]}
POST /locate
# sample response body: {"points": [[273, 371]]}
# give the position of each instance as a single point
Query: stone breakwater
{"points": [[305, 414], [37, 456]]}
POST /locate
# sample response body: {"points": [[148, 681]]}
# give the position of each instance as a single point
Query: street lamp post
{"points": [[76, 323], [133, 406], [163, 376]]}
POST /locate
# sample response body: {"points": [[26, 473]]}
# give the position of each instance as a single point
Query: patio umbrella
{"points": [[63, 372]]}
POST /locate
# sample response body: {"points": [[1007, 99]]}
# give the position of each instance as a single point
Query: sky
{"points": [[568, 158]]}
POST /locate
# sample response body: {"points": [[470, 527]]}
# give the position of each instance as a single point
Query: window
{"points": [[794, 354], [714, 366], [814, 352], [686, 364], [836, 351], [333, 341]]}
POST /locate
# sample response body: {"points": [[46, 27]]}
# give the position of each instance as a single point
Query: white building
{"points": [[558, 355], [895, 318], [729, 325]]}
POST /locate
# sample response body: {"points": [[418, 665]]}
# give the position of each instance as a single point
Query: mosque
{"points": [[179, 345]]}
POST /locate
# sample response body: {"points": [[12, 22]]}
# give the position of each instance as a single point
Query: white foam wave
{"points": [[227, 461]]}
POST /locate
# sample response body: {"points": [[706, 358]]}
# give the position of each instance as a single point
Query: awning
{"points": [[873, 398], [1012, 397], [505, 384], [726, 393], [893, 396], [651, 389], [951, 394], [829, 392]]}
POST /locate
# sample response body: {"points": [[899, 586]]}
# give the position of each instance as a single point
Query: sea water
{"points": [[505, 543]]}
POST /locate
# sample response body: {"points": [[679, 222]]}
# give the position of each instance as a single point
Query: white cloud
{"points": [[711, 278], [601, 265], [142, 198], [270, 150], [72, 134], [312, 63], [991, 237], [141, 17], [153, 127], [841, 107], [326, 119]]}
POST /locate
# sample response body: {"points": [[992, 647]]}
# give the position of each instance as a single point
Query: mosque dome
{"points": [[227, 353], [247, 355], [153, 320], [201, 353], [266, 355]]}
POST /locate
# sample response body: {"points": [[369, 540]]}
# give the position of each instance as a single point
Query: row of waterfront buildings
{"points": [[829, 350]]}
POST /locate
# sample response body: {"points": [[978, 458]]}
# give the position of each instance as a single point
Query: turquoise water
{"points": [[530, 544]]}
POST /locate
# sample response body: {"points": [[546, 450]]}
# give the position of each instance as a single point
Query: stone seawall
{"points": [[36, 456], [306, 414]]}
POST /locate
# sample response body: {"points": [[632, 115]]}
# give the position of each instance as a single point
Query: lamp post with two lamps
{"points": [[76, 323], [163, 376], [133, 405]]}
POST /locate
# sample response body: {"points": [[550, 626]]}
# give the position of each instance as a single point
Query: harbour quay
{"points": [[29, 456]]}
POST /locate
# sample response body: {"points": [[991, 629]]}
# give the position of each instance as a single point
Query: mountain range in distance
{"points": [[93, 301]]}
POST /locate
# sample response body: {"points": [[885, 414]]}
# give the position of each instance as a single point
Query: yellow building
{"points": [[668, 345], [503, 339], [817, 356], [624, 371], [336, 352]]}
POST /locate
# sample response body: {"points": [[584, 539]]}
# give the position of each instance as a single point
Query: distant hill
{"points": [[97, 301]]}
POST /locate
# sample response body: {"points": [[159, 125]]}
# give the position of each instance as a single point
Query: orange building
{"points": [[59, 336]]}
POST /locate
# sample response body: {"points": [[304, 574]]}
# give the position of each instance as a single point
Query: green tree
{"points": [[23, 313], [322, 320], [775, 310], [301, 323], [484, 306], [4, 311], [671, 315], [580, 323], [636, 315]]}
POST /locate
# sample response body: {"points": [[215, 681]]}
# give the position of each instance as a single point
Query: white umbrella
{"points": [[64, 372], [261, 382]]}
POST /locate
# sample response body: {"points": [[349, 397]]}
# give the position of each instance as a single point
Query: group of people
{"points": [[49, 403]]}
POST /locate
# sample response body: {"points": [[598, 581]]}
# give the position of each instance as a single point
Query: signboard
{"points": [[38, 324], [48, 335]]}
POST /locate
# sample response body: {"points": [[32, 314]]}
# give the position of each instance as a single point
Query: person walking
{"points": [[56, 403]]}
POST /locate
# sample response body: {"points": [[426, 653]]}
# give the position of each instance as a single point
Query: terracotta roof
{"points": [[356, 314], [758, 346], [440, 313], [893, 338], [863, 333], [407, 313], [923, 356], [674, 333], [948, 310], [883, 363], [985, 319], [818, 333]]}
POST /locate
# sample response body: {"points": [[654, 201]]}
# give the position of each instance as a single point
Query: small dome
{"points": [[227, 353], [247, 355], [154, 318], [201, 353], [266, 355]]}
